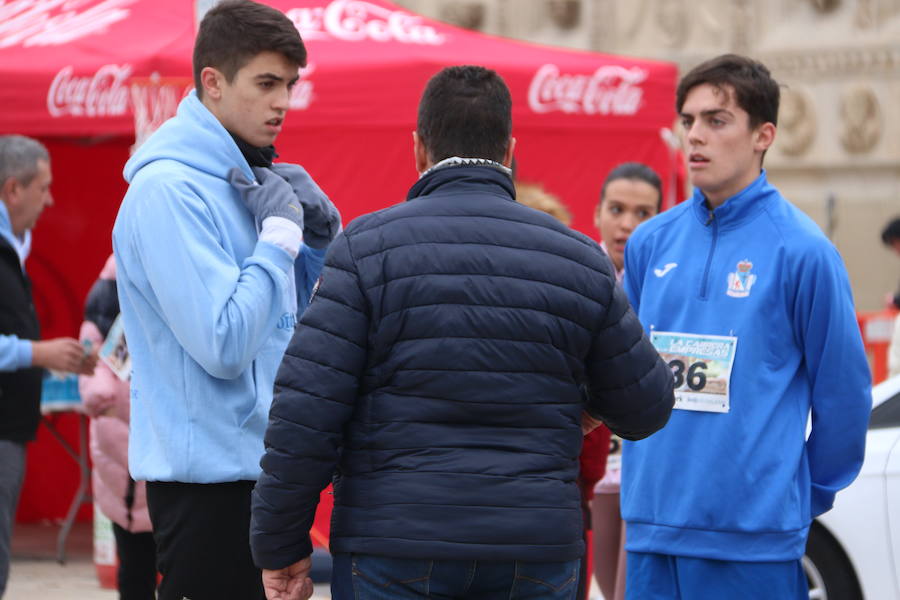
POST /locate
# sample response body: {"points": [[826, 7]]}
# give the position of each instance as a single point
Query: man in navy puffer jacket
{"points": [[455, 350]]}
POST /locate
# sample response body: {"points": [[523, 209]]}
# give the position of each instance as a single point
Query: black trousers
{"points": [[202, 534], [137, 564]]}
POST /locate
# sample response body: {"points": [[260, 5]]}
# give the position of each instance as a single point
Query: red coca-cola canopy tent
{"points": [[75, 71], [67, 64]]}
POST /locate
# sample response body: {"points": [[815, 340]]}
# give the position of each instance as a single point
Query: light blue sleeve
{"points": [[220, 312], [15, 354], [826, 327], [307, 269]]}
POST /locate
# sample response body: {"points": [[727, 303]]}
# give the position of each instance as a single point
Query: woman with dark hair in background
{"points": [[631, 194]]}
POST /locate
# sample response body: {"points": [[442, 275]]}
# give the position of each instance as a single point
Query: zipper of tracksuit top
{"points": [[704, 288]]}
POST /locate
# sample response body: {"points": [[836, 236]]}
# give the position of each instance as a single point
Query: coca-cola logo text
{"points": [[302, 92], [54, 22], [356, 21], [103, 94], [610, 90]]}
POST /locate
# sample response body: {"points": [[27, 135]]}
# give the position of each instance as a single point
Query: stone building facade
{"points": [[837, 153]]}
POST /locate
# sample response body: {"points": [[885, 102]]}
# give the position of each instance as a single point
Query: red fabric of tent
{"points": [[68, 66], [575, 114]]}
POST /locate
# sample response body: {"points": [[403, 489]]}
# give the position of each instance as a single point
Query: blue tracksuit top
{"points": [[745, 485], [208, 309]]}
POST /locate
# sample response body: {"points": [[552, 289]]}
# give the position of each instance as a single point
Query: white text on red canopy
{"points": [[103, 94], [357, 21], [56, 22], [610, 90]]}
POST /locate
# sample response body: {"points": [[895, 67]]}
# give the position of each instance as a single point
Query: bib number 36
{"points": [[695, 376]]}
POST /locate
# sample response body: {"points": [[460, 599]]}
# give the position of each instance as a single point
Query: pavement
{"points": [[36, 575]]}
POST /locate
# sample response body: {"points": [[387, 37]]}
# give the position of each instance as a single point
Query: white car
{"points": [[853, 551]]}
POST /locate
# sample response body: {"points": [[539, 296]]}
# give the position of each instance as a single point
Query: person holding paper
{"points": [[25, 179]]}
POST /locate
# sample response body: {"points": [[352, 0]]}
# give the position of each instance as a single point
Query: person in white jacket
{"points": [[894, 350], [891, 238]]}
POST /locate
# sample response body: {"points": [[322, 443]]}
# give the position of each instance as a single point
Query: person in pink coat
{"points": [[106, 400]]}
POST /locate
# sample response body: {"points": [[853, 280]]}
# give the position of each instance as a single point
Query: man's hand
{"points": [[271, 197], [323, 221], [589, 423], [63, 354], [290, 583]]}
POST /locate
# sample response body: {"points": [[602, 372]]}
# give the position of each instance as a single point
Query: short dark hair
{"points": [[465, 111], [638, 172], [891, 232], [233, 32], [755, 90]]}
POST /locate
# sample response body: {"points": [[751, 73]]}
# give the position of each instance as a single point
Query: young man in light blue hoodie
{"points": [[213, 245], [750, 305]]}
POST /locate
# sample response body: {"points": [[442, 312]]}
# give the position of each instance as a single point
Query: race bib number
{"points": [[701, 365]]}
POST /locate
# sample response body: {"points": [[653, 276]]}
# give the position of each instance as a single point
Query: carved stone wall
{"points": [[839, 63]]}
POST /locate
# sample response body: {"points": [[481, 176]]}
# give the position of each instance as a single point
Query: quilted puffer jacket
{"points": [[105, 399], [439, 376]]}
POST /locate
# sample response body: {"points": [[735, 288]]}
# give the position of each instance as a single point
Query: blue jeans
{"points": [[369, 577]]}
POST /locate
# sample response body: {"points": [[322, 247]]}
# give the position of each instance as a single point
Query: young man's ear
{"points": [[421, 154], [510, 149], [212, 80], [763, 137]]}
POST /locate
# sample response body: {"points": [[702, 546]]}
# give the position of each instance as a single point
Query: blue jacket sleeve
{"points": [[15, 354], [307, 269], [315, 395], [220, 312], [629, 386], [635, 269], [826, 328]]}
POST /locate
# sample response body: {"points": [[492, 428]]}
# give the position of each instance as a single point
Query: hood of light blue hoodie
{"points": [[194, 137]]}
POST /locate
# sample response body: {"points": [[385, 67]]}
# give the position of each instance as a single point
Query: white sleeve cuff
{"points": [[283, 233]]}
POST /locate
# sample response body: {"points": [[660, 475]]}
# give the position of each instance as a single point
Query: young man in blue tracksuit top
{"points": [[750, 305], [213, 242]]}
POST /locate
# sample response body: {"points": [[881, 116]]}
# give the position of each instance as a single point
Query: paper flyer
{"points": [[114, 351]]}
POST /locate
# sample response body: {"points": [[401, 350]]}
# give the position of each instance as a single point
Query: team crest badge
{"points": [[740, 282]]}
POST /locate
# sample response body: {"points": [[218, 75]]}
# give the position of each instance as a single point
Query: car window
{"points": [[886, 414]]}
